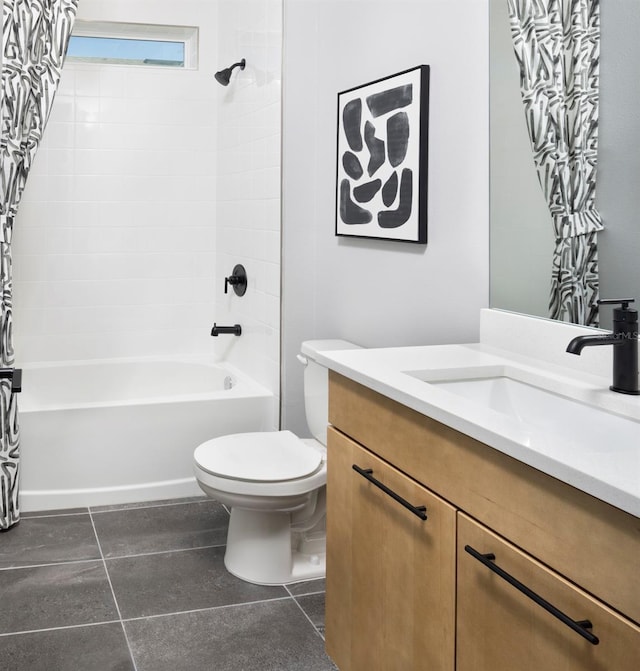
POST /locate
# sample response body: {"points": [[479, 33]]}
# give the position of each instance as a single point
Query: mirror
{"points": [[520, 228]]}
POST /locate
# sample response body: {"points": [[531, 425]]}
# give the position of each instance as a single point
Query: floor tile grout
{"points": [[295, 596], [113, 594], [39, 516], [151, 504], [308, 618], [124, 620], [238, 604], [164, 552], [65, 626], [55, 563], [103, 558]]}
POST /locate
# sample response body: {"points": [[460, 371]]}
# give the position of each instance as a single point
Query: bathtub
{"points": [[119, 431]]}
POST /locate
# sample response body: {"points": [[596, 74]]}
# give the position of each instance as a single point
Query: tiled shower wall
{"points": [[149, 186], [248, 195], [114, 246]]}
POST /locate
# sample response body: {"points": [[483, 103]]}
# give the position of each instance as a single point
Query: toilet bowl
{"points": [[274, 484]]}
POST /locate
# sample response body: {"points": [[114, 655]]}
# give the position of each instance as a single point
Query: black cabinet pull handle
{"points": [[579, 626], [420, 511]]}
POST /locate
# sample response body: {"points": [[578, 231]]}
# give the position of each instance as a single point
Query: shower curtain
{"points": [[35, 36], [557, 46]]}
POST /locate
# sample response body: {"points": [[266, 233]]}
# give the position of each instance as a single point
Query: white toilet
{"points": [[274, 483]]}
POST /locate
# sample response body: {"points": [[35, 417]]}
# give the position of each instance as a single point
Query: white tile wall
{"points": [[248, 196], [115, 240], [149, 186]]}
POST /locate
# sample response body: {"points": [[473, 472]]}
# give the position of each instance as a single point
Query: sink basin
{"points": [[568, 420]]}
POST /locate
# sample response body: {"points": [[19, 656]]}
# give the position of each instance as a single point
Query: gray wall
{"points": [[619, 157], [372, 292], [521, 238], [521, 233]]}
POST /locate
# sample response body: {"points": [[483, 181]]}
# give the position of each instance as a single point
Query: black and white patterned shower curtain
{"points": [[35, 35], [557, 46]]}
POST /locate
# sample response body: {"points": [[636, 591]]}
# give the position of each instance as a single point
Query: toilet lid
{"points": [[263, 457]]}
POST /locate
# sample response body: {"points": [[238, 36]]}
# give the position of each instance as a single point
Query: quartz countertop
{"points": [[610, 473]]}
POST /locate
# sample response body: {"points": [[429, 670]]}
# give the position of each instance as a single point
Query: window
{"points": [[134, 44]]}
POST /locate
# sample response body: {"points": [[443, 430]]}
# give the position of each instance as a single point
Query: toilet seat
{"points": [[261, 457]]}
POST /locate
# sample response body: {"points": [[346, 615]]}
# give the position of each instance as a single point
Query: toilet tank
{"points": [[316, 384]]}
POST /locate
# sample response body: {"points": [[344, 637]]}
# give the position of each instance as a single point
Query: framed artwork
{"points": [[381, 184]]}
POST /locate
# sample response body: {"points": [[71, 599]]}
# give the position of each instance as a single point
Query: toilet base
{"points": [[262, 549]]}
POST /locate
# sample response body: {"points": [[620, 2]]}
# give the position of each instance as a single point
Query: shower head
{"points": [[224, 76]]}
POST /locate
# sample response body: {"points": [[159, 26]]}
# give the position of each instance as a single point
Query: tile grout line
{"points": [[308, 618], [295, 596], [238, 604], [164, 552], [53, 563], [150, 504], [38, 516], [113, 594], [103, 558], [66, 626], [111, 509]]}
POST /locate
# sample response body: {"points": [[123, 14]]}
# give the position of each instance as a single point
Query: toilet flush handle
{"points": [[302, 359]]}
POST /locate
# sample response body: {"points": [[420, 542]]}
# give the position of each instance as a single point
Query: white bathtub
{"points": [[118, 431]]}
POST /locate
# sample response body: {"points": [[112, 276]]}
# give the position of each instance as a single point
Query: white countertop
{"points": [[611, 472]]}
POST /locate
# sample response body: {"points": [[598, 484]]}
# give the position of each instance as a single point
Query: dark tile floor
{"points": [[143, 587]]}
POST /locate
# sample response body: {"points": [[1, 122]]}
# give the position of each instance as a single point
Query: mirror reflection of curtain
{"points": [[557, 46], [35, 36]]}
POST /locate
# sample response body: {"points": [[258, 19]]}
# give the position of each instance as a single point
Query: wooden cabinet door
{"points": [[390, 602], [502, 629]]}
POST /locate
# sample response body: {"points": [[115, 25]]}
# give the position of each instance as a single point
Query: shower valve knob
{"points": [[238, 280]]}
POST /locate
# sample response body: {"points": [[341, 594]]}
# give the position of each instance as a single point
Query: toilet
{"points": [[274, 484]]}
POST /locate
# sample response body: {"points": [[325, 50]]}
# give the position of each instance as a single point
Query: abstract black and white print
{"points": [[557, 46], [381, 185], [35, 36]]}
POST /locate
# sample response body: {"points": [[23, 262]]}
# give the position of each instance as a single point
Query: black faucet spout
{"points": [[625, 346], [578, 344], [235, 330]]}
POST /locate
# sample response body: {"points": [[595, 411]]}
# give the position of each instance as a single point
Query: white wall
{"points": [[379, 293], [248, 194], [114, 247]]}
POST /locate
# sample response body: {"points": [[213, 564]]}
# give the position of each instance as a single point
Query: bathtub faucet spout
{"points": [[15, 375], [236, 330]]}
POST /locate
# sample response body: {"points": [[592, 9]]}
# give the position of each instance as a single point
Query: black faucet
{"points": [[625, 341], [238, 280], [235, 330]]}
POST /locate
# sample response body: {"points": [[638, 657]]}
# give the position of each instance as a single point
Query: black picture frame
{"points": [[382, 158]]}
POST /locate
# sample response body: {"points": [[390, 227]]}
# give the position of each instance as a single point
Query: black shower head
{"points": [[224, 76]]}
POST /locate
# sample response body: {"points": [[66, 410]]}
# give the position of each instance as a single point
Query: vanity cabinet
{"points": [[576, 552], [391, 568], [500, 627]]}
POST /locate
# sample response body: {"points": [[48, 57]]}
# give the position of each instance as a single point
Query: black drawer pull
{"points": [[579, 626], [420, 511]]}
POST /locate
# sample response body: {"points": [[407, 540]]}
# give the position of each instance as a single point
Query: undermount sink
{"points": [[510, 392]]}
